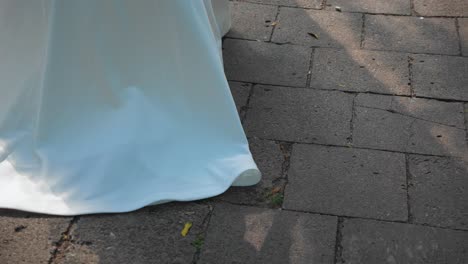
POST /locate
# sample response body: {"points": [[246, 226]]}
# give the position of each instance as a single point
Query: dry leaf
{"points": [[313, 35], [275, 190]]}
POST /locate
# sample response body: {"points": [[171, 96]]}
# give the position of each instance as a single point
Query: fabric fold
{"points": [[109, 106]]}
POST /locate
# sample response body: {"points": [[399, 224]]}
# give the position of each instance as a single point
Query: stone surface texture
{"points": [[148, 236], [411, 34], [347, 181], [252, 235], [300, 115], [29, 238], [252, 21], [369, 242], [356, 112]]}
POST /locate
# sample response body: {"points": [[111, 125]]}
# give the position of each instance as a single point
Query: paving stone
{"points": [[434, 139], [381, 129], [360, 71], [401, 7], [269, 158], [374, 101], [246, 235], [347, 181], [439, 191], [29, 238], [443, 77], [441, 8], [463, 29], [411, 34], [252, 21], [295, 3], [240, 93], [299, 115], [446, 113], [147, 236], [333, 29], [369, 242], [258, 62]]}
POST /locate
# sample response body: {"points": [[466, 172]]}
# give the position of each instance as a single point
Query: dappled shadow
{"points": [[267, 236], [376, 67]]}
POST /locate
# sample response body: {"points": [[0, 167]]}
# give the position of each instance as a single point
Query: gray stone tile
{"points": [[370, 242], [441, 8], [374, 101], [295, 3], [246, 235], [381, 129], [258, 62], [444, 77], [299, 115], [360, 71], [240, 93], [146, 236], [439, 191], [411, 34], [252, 21], [435, 139], [269, 158], [446, 113], [401, 7], [463, 29], [333, 29], [347, 181], [29, 238]]}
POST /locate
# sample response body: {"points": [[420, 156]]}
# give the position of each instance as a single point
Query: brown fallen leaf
{"points": [[276, 190], [274, 23]]}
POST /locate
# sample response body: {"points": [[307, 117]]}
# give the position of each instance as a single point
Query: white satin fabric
{"points": [[111, 105]]}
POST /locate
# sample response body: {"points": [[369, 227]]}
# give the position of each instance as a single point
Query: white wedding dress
{"points": [[112, 105]]}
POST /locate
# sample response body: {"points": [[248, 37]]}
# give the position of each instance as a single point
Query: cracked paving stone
{"points": [[360, 71], [439, 191], [428, 35], [381, 129], [400, 7], [347, 181], [252, 21], [444, 77], [259, 62], [269, 158], [370, 242], [299, 115], [295, 3], [29, 238], [145, 236], [446, 113], [333, 29], [240, 234]]}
